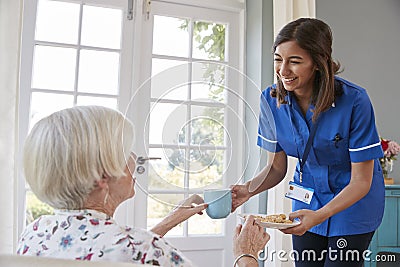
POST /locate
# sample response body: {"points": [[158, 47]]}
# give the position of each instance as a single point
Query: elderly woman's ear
{"points": [[103, 182], [100, 185]]}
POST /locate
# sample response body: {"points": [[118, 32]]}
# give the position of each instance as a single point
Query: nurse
{"points": [[328, 124]]}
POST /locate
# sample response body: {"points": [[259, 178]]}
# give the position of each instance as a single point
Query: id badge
{"points": [[300, 193]]}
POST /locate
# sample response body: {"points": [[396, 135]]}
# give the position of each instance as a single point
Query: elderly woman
{"points": [[79, 161]]}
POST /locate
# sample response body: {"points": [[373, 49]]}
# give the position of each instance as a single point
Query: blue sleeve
{"points": [[266, 126], [364, 143]]}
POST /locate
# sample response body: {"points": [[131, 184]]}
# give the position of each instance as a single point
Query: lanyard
{"points": [[308, 145]]}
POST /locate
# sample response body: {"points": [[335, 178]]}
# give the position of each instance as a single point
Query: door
{"points": [[186, 112]]}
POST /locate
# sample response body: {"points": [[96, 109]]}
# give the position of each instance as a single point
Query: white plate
{"points": [[271, 224]]}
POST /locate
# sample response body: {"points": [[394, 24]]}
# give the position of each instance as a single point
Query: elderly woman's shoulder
{"points": [[92, 236]]}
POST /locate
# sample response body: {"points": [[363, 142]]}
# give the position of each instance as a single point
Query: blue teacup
{"points": [[219, 203]]}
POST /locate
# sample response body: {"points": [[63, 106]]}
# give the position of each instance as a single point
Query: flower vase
{"points": [[387, 167]]}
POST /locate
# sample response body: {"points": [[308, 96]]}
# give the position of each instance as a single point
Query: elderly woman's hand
{"points": [[249, 239], [190, 206], [186, 209]]}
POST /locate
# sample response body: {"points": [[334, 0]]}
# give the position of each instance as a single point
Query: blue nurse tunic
{"points": [[346, 133]]}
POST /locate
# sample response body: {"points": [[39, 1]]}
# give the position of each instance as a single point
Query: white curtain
{"points": [[288, 10], [10, 29], [284, 12]]}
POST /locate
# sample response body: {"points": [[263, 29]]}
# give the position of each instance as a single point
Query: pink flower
{"points": [[392, 150]]}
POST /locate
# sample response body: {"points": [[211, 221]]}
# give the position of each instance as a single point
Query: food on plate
{"points": [[275, 218]]}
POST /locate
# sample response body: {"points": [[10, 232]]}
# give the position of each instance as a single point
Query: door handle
{"points": [[142, 160]]}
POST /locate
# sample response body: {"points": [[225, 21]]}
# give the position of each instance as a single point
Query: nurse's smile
{"points": [[294, 67], [288, 81]]}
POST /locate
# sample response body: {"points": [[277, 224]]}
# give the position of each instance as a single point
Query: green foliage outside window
{"points": [[213, 45], [35, 208]]}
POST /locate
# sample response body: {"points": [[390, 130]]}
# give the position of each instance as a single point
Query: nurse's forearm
{"points": [[270, 175], [358, 187], [266, 179]]}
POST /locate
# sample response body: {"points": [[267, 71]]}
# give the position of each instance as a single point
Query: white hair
{"points": [[68, 151]]}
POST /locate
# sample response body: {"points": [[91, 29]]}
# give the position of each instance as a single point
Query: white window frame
{"points": [[27, 51], [133, 78], [191, 243]]}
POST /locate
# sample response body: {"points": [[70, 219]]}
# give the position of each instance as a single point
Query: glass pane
{"points": [[43, 104], [206, 168], [98, 101], [207, 125], [98, 72], [208, 82], [209, 40], [101, 27], [167, 123], [35, 208], [54, 68], [167, 173], [170, 36], [202, 224], [169, 79], [57, 22], [159, 206]]}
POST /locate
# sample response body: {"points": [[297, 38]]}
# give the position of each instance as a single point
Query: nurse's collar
{"points": [[289, 97]]}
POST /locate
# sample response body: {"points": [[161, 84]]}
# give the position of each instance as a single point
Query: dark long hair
{"points": [[315, 37]]}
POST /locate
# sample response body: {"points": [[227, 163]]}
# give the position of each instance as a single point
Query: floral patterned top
{"points": [[94, 236]]}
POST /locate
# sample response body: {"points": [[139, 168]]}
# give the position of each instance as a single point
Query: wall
{"points": [[366, 43], [10, 23], [259, 70]]}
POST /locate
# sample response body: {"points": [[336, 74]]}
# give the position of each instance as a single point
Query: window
{"points": [[173, 71], [76, 57], [186, 122]]}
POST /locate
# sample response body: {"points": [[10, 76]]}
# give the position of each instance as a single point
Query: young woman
{"points": [[328, 124]]}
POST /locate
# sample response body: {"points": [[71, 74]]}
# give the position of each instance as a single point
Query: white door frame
{"points": [[203, 247]]}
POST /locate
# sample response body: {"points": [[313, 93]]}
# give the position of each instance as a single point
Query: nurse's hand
{"points": [[240, 194], [308, 218]]}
